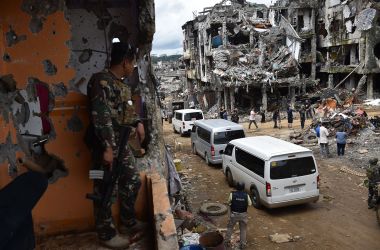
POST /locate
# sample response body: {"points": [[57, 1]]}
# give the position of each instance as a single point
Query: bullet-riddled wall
{"points": [[56, 45]]}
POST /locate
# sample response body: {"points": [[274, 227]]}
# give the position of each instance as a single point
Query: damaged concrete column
{"points": [[292, 91], [264, 97], [313, 48], [219, 98], [224, 30], [261, 56], [353, 59], [370, 87], [232, 98], [351, 83], [330, 83], [226, 94]]}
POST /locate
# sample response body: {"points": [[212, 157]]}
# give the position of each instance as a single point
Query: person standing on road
{"points": [[323, 140], [225, 115], [262, 112], [235, 116], [309, 112], [302, 116], [276, 116], [373, 175], [239, 201], [111, 108], [290, 117], [341, 138], [221, 113], [252, 119]]}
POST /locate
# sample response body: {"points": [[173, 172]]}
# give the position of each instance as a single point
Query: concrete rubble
{"points": [[242, 54]]}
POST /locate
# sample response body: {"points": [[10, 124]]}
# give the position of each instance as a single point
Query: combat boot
{"points": [[117, 242]]}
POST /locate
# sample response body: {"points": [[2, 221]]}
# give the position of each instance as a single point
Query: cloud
{"points": [[171, 15]]}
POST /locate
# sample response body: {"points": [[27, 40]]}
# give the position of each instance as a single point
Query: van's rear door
{"points": [[293, 177]]}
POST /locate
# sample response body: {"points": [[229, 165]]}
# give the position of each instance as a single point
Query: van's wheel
{"points": [[175, 131], [194, 149], [230, 179], [255, 198], [207, 160], [180, 132]]}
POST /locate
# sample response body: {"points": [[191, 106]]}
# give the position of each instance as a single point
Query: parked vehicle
{"points": [[183, 120], [176, 105], [209, 137], [275, 172]]}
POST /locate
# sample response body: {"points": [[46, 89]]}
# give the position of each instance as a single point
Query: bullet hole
{"points": [[7, 57], [75, 124], [54, 32], [59, 89], [85, 56], [49, 68], [12, 38], [36, 24], [39, 10], [84, 40]]}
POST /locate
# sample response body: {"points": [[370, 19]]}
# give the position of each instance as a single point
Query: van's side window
{"points": [[250, 162], [204, 134], [229, 149], [178, 116]]}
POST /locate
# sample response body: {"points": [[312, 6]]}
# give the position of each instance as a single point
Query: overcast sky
{"points": [[171, 15]]}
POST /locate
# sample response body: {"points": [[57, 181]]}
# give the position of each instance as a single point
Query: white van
{"points": [[276, 173], [210, 137], [183, 120]]}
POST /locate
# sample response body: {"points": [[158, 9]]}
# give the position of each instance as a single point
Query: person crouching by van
{"points": [[239, 201]]}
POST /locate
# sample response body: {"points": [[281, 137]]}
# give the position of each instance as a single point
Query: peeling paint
{"points": [[75, 124], [49, 68], [8, 153], [12, 38], [39, 10], [59, 89]]}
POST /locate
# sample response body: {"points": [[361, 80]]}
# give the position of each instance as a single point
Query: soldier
{"points": [[239, 202], [373, 175], [111, 107]]}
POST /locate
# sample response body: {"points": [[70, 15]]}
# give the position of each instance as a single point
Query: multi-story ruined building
{"points": [[250, 55]]}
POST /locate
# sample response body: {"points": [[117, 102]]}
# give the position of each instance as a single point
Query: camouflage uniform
{"points": [[373, 174], [111, 107]]}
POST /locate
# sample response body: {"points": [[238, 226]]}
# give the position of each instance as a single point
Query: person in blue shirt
{"points": [[341, 139]]}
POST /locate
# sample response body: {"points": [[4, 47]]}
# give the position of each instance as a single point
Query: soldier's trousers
{"points": [[126, 189], [242, 219], [372, 193]]}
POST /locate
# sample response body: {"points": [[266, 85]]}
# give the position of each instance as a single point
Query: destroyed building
{"points": [[241, 54]]}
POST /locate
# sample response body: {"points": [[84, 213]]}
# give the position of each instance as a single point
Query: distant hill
{"points": [[165, 58]]}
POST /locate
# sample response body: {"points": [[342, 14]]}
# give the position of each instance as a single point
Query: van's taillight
{"points": [[318, 182], [183, 125], [269, 189], [212, 151]]}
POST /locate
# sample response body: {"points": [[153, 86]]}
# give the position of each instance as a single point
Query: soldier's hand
{"points": [[108, 156]]}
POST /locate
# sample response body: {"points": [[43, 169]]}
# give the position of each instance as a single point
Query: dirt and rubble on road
{"points": [[339, 220]]}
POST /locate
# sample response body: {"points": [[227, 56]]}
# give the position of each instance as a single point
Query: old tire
{"points": [[213, 209], [255, 196], [230, 179]]}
